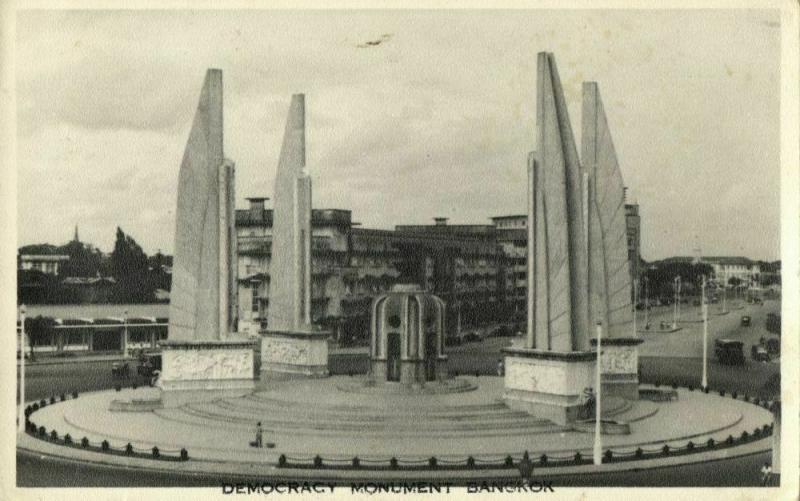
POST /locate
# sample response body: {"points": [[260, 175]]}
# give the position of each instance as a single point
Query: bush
{"points": [[710, 443], [74, 394], [609, 455], [690, 446], [471, 462], [67, 439], [509, 461], [117, 387], [34, 408], [639, 452], [156, 453], [745, 435], [42, 431], [184, 455], [42, 403], [691, 388], [393, 462], [52, 399], [63, 397], [665, 450], [729, 440], [432, 462], [356, 462], [54, 435], [657, 384], [734, 395], [721, 393], [84, 442], [129, 449], [578, 458], [757, 432], [543, 459], [706, 389], [282, 460], [674, 386], [134, 386], [105, 445], [317, 461], [746, 397], [28, 411]]}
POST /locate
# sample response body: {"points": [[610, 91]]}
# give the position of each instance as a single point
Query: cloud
{"points": [[435, 120]]}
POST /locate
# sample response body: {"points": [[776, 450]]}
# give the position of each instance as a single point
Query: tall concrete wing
{"points": [[290, 266], [563, 283], [194, 312], [610, 284]]}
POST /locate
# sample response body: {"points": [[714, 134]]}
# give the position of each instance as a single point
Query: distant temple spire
{"points": [[76, 239]]}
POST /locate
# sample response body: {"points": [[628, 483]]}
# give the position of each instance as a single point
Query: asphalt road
{"points": [[33, 471], [754, 378]]}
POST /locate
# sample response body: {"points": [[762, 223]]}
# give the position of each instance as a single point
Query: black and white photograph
{"points": [[398, 250]]}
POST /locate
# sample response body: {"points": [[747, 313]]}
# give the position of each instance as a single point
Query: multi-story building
{"points": [[633, 226], [512, 235], [727, 267], [351, 265], [46, 263]]}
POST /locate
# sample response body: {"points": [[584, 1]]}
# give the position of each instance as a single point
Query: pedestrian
{"points": [[766, 474], [501, 370], [259, 435]]}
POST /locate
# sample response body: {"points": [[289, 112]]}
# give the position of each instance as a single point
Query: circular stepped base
{"points": [[363, 385]]}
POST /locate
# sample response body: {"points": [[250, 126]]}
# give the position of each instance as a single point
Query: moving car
{"points": [[729, 351]]}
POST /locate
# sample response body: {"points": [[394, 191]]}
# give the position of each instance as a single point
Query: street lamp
{"points": [[597, 457], [21, 418], [704, 307], [677, 309], [646, 305], [125, 334], [635, 302]]}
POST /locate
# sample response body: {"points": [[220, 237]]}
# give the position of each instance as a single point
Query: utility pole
{"points": [[598, 441], [635, 302], [705, 334], [21, 418], [677, 309], [125, 334]]}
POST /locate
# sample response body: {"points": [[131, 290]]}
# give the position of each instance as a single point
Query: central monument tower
{"points": [[577, 261]]}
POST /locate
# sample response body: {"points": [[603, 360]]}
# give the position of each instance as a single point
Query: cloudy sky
{"points": [[436, 120]]}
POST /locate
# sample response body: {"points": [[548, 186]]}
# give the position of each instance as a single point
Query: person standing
{"points": [[766, 474], [259, 435]]}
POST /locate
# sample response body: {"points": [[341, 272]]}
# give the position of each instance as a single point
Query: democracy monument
{"points": [[408, 407]]}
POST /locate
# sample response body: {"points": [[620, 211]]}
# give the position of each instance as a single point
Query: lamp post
{"points": [[635, 302], [21, 418], [646, 305], [677, 309], [598, 441], [704, 307], [125, 334]]}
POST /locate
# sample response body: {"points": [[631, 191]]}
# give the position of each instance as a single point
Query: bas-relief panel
{"points": [[285, 351], [189, 365], [619, 360], [529, 377]]}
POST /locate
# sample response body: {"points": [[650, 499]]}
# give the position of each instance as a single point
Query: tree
{"points": [[130, 268], [734, 281]]}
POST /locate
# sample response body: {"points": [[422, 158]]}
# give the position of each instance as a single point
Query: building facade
{"points": [[46, 263], [350, 266]]}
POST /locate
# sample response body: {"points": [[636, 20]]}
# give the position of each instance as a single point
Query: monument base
{"points": [[411, 371], [547, 384], [620, 369], [198, 371], [302, 353]]}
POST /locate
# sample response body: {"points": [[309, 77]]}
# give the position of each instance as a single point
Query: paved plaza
{"points": [[304, 418]]}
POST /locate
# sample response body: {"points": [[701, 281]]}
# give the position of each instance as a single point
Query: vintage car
{"points": [[729, 351], [745, 321]]}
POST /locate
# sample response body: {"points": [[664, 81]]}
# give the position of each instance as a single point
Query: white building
{"points": [[727, 267], [46, 263]]}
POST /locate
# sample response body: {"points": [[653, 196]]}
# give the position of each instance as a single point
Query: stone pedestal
{"points": [[548, 384], [193, 371], [295, 352], [620, 367]]}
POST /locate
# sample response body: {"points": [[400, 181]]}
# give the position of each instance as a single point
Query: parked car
{"points": [[729, 351], [501, 331], [759, 353], [745, 321], [774, 323], [773, 346], [149, 364], [120, 370], [470, 337]]}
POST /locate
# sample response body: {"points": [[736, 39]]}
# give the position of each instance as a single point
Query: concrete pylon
{"points": [[290, 344], [290, 265], [203, 357], [609, 275]]}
